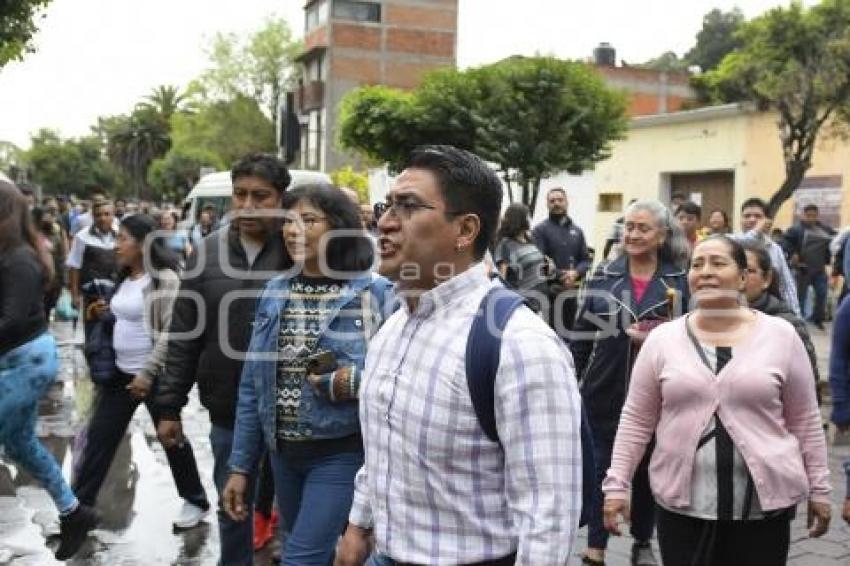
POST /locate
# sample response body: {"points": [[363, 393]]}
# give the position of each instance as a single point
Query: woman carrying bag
{"points": [[136, 321]]}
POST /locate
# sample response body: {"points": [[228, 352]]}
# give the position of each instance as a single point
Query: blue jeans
{"points": [[26, 373], [314, 495], [820, 283], [235, 537]]}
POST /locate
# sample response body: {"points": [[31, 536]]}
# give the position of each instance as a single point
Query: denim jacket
{"points": [[355, 316]]}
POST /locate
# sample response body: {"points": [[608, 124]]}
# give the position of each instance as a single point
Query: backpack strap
{"points": [[483, 353]]}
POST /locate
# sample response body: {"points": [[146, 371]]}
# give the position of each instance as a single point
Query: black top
{"points": [[563, 241], [21, 298], [213, 356]]}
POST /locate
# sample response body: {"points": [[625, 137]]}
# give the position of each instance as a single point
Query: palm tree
{"points": [[135, 142], [164, 100]]}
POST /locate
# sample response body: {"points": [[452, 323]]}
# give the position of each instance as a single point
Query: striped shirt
{"points": [[434, 488]]}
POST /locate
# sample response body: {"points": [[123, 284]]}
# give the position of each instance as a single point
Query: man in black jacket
{"points": [[560, 239], [808, 244], [228, 273]]}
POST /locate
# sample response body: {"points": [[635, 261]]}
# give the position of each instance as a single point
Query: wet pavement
{"points": [[139, 500]]}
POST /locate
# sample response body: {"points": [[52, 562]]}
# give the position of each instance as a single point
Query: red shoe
{"points": [[263, 530]]}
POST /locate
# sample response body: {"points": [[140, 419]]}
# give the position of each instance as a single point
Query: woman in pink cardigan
{"points": [[728, 393]]}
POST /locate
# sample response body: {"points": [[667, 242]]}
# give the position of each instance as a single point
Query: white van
{"points": [[216, 189]]}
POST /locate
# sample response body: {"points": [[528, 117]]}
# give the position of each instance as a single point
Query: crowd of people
{"points": [[337, 350]]}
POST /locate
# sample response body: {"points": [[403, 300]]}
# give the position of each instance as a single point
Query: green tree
{"points": [[17, 27], [164, 101], [73, 166], [134, 142], [258, 68], [348, 177], [717, 38], [667, 61], [224, 129], [795, 61], [175, 174], [531, 117]]}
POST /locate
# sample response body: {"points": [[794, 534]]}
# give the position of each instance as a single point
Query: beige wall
{"points": [[738, 140]]}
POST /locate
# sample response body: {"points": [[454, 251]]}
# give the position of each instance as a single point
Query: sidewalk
{"points": [[833, 549]]}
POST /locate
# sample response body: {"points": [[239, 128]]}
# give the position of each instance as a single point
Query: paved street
{"points": [[139, 499]]}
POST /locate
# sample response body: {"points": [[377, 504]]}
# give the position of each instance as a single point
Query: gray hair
{"points": [[675, 249]]}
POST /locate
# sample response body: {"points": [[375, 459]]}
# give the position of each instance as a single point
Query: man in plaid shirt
{"points": [[434, 489]]}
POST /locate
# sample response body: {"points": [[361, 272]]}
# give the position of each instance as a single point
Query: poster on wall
{"points": [[825, 192]]}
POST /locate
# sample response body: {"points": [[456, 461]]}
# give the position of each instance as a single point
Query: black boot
{"points": [[73, 529], [642, 554]]}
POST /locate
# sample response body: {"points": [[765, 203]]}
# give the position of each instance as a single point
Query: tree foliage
{"points": [[795, 61], [226, 130], [667, 61], [71, 166], [175, 174], [532, 117], [717, 38], [134, 142], [17, 27], [258, 68], [348, 177], [165, 101]]}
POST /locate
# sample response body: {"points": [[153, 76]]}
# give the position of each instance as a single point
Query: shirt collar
{"points": [[449, 292]]}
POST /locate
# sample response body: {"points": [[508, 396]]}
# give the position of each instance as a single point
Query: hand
{"points": [[819, 515], [845, 513], [139, 388], [636, 334], [170, 433], [763, 225], [233, 497], [353, 547], [612, 509], [569, 278], [97, 309]]}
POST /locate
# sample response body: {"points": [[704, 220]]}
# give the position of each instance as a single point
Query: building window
{"points": [[313, 149], [316, 14], [357, 11]]}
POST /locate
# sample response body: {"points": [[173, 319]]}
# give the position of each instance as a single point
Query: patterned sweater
{"points": [[300, 325]]}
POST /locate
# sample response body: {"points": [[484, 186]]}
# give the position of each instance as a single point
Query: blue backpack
{"points": [[482, 362]]}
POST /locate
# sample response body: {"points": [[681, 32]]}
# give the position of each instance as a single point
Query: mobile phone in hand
{"points": [[321, 363]]}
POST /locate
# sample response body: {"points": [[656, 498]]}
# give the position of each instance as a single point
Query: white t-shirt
{"points": [[131, 342]]}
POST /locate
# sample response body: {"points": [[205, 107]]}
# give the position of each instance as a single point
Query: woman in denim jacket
{"points": [[328, 302]]}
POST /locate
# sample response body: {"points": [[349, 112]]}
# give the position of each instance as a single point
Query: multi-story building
{"points": [[350, 43]]}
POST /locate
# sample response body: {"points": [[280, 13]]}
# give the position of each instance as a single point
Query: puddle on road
{"points": [[138, 499]]}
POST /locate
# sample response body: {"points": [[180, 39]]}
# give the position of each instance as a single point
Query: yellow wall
{"points": [[741, 141]]}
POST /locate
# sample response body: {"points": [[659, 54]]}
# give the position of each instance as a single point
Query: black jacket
{"points": [[768, 304], [603, 352], [21, 298], [564, 243], [205, 357]]}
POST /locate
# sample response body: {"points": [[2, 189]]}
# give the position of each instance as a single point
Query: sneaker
{"points": [[190, 515], [263, 529], [642, 554], [73, 529]]}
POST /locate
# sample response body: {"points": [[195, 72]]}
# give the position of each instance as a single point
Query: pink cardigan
{"points": [[764, 396]]}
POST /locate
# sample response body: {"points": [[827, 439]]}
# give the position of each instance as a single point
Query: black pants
{"points": [[686, 541], [112, 414], [265, 487]]}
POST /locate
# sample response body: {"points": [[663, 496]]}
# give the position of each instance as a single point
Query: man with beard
{"points": [[560, 239]]}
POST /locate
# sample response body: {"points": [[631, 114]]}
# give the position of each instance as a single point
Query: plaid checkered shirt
{"points": [[435, 489]]}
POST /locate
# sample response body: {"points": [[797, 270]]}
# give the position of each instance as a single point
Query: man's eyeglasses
{"points": [[404, 208]]}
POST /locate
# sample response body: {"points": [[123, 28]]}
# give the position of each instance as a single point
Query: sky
{"points": [[100, 57]]}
